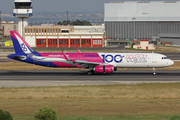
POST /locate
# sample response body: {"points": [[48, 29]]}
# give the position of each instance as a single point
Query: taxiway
{"points": [[69, 77]]}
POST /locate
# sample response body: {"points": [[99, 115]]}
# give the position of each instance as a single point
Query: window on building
{"points": [[65, 31], [22, 5], [86, 41], [74, 42], [63, 42], [41, 42], [14, 27]]}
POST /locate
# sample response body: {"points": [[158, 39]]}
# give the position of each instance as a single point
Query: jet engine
{"points": [[105, 69]]}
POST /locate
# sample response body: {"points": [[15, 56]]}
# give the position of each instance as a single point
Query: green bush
{"points": [[45, 113], [175, 117], [5, 115], [132, 44]]}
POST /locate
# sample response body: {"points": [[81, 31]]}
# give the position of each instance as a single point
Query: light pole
{"points": [[67, 17], [118, 36], [48, 21], [134, 27], [1, 34]]}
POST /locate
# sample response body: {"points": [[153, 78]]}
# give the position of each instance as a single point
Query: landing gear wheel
{"points": [[90, 72], [154, 71]]}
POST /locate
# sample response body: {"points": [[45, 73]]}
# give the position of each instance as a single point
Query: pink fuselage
{"points": [[89, 57]]}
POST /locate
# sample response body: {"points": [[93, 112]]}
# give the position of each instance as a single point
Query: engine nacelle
{"points": [[104, 69]]}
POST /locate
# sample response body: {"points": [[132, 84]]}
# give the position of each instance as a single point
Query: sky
{"points": [[61, 6]]}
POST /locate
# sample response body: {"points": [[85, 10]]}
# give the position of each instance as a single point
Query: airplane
{"points": [[98, 62]]}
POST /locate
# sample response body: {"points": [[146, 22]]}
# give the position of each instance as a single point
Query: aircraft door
{"points": [[154, 58]]}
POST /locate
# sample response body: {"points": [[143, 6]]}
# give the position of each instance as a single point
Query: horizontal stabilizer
{"points": [[22, 57]]}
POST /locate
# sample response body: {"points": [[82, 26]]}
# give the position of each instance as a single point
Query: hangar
{"points": [[141, 20]]}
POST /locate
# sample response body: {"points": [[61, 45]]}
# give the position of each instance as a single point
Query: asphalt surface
{"points": [[65, 78]]}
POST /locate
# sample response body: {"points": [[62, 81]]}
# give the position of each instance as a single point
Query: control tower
{"points": [[22, 11]]}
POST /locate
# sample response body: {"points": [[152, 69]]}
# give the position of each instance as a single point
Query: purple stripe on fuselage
{"points": [[90, 57]]}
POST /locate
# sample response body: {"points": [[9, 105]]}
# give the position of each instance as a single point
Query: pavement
{"points": [[68, 77]]}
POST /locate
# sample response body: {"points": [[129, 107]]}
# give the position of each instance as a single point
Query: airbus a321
{"points": [[95, 62]]}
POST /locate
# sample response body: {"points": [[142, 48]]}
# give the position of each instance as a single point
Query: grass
{"points": [[27, 66], [106, 102]]}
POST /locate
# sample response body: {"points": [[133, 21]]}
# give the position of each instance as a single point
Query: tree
{"points": [[45, 113], [5, 115], [65, 22], [77, 22], [132, 44]]}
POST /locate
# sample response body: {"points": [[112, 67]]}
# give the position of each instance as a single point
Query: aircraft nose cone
{"points": [[171, 62]]}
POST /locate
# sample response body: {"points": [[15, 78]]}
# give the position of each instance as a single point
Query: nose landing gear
{"points": [[154, 71]]}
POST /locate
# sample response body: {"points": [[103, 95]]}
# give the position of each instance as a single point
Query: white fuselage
{"points": [[134, 60]]}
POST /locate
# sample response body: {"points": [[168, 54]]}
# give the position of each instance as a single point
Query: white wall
{"points": [[22, 11], [31, 40]]}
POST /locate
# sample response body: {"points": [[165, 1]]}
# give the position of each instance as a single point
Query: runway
{"points": [[69, 77]]}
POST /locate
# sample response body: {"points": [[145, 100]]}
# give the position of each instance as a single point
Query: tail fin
{"points": [[20, 45]]}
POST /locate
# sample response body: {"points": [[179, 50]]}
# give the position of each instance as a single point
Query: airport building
{"points": [[142, 20], [65, 36], [8, 26], [1, 33]]}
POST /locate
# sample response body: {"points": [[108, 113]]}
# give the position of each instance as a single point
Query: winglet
{"points": [[67, 58], [78, 51]]}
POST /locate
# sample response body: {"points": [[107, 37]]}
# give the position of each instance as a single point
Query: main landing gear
{"points": [[90, 72], [154, 71]]}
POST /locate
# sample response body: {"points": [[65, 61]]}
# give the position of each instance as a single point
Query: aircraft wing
{"points": [[82, 63], [85, 64]]}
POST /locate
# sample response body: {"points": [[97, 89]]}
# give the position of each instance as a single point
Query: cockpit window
{"points": [[164, 58]]}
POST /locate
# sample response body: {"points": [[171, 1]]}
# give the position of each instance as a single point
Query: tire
{"points": [[90, 72]]}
